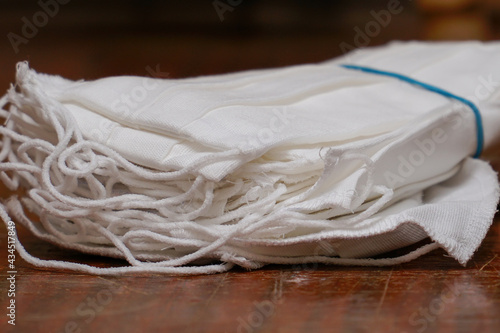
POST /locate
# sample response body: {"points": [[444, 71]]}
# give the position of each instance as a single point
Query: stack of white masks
{"points": [[304, 164]]}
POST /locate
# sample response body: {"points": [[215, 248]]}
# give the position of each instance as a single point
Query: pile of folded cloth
{"points": [[318, 163]]}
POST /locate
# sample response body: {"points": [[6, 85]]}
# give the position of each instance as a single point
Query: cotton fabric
{"points": [[309, 163]]}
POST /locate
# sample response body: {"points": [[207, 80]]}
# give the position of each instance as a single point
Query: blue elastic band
{"points": [[479, 123]]}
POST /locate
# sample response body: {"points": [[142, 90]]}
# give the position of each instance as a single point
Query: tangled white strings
{"points": [[91, 199]]}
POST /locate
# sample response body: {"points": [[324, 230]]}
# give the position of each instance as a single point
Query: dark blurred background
{"points": [[90, 39]]}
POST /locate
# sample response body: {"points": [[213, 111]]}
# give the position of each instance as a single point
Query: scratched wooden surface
{"points": [[431, 294]]}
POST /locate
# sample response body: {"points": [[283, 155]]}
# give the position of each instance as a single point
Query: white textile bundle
{"points": [[310, 163]]}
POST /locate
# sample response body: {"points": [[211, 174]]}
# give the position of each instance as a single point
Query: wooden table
{"points": [[431, 294]]}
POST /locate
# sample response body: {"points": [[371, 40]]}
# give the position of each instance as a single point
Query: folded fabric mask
{"points": [[316, 163]]}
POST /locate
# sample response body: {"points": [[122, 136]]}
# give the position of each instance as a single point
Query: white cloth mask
{"points": [[310, 163]]}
